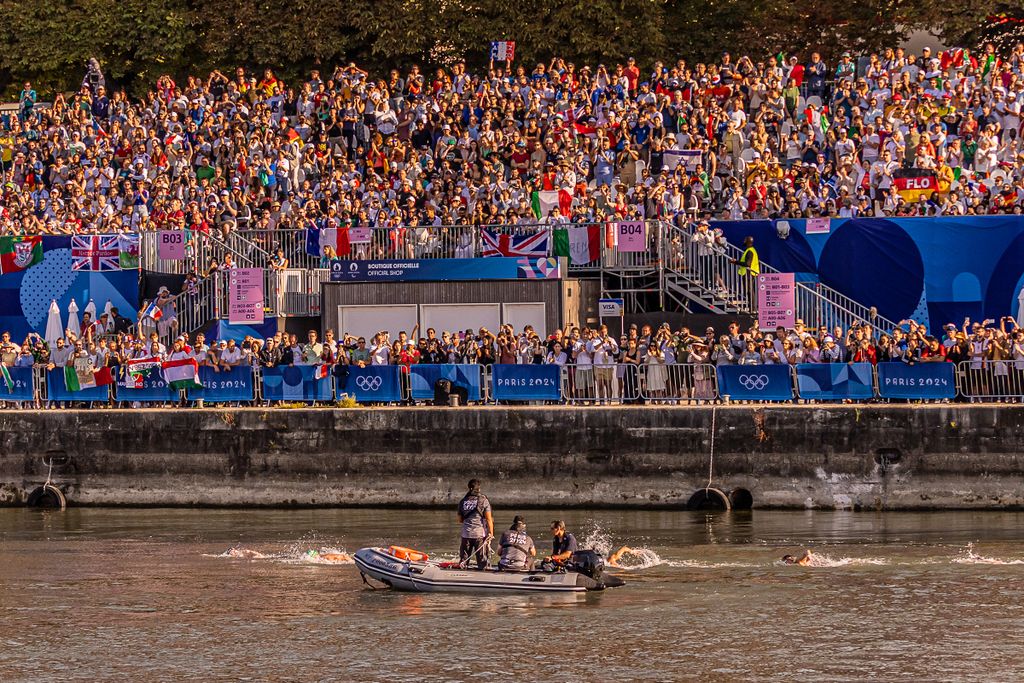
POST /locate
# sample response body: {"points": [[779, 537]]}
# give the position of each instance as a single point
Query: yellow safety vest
{"points": [[755, 265]]}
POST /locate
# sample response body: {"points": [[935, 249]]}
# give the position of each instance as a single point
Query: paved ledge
{"points": [[948, 456]]}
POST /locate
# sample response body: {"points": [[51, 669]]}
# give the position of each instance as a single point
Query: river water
{"points": [[148, 595]]}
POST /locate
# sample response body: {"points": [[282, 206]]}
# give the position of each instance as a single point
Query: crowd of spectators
{"points": [[602, 365], [777, 136]]}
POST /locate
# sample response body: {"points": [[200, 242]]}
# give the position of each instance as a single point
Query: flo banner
{"points": [[755, 382], [375, 384], [526, 382], [296, 383], [834, 381], [423, 377], [235, 384], [921, 380]]}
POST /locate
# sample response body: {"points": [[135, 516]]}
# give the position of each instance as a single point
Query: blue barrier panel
{"points": [[374, 384], [422, 378], [755, 382], [526, 382], [834, 381], [56, 390], [235, 384], [295, 383], [20, 388], [921, 380], [153, 390]]}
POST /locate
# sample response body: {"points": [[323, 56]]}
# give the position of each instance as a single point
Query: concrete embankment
{"points": [[861, 457]]}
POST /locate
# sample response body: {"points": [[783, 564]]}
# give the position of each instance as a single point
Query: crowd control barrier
{"points": [[678, 382], [525, 383], [374, 384], [920, 381], [991, 379], [611, 383], [21, 388], [755, 382], [295, 383], [835, 381], [236, 384], [57, 390], [423, 377], [153, 390]]}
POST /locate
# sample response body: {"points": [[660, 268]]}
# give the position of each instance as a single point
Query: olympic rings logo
{"points": [[754, 382], [369, 383]]}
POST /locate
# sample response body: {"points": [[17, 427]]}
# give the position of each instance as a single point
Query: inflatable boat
{"points": [[409, 570]]}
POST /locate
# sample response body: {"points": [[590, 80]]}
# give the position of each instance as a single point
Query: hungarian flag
{"points": [[182, 373], [544, 202], [138, 369], [19, 253], [8, 382], [81, 377], [913, 183], [582, 245]]}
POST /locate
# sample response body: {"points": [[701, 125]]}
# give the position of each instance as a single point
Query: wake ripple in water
{"points": [[968, 556], [821, 560]]}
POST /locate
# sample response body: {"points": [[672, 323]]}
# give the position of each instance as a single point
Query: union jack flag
{"points": [[95, 252], [514, 245]]}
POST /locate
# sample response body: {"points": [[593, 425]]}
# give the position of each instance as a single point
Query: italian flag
{"points": [[581, 245], [77, 379], [20, 253], [544, 202], [137, 370], [182, 373]]}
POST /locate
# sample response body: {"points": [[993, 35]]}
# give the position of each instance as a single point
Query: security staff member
{"points": [[563, 544], [749, 269], [517, 548], [477, 525]]}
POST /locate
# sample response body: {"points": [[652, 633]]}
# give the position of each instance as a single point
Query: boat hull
{"points": [[430, 577]]}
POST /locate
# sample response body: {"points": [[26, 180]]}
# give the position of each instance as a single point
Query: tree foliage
{"points": [[136, 40]]}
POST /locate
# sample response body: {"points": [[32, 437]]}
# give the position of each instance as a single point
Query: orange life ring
{"points": [[407, 554]]}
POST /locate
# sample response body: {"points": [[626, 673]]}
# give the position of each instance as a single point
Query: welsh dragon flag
{"points": [[182, 373], [544, 202], [581, 244], [137, 370], [81, 377]]}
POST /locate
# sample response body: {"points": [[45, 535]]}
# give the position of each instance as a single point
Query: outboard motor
{"points": [[589, 563]]}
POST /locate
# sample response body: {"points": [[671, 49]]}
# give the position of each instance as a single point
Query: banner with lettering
{"points": [[235, 384], [153, 389], [16, 385], [834, 381], [632, 236], [755, 382], [918, 381], [245, 290], [526, 382]]}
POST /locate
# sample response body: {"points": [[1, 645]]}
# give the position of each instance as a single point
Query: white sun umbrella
{"points": [[54, 328], [110, 318], [90, 308], [73, 323], [1020, 308]]}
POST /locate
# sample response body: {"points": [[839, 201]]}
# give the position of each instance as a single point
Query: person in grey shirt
{"points": [[516, 548], [477, 526]]}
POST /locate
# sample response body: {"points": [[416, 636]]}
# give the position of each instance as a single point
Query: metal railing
{"points": [[991, 380], [606, 383], [677, 383]]}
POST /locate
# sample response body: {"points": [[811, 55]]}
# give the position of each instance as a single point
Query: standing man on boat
{"points": [[477, 526]]}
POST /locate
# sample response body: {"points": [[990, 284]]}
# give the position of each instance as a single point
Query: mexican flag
{"points": [[20, 253], [81, 377], [182, 373], [581, 245], [544, 202], [137, 370]]}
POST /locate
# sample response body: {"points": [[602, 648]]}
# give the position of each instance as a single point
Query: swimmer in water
{"points": [[329, 557], [613, 559], [802, 560], [245, 554]]}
